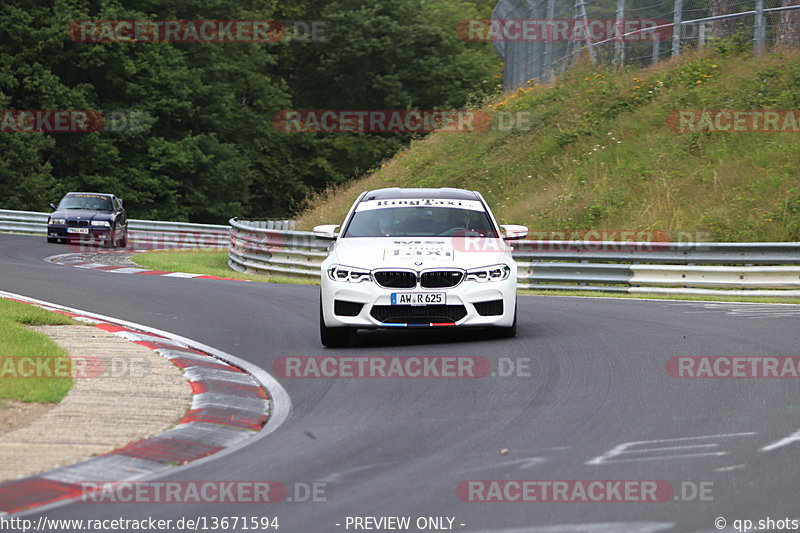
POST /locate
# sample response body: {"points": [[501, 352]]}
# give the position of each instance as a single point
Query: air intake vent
{"points": [[490, 308], [418, 315], [343, 308]]}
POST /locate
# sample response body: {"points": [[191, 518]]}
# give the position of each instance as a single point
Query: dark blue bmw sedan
{"points": [[87, 216]]}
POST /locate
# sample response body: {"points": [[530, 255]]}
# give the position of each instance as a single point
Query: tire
{"points": [[332, 337], [53, 239], [510, 331], [123, 242]]}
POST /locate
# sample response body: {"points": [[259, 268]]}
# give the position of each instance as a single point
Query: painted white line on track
{"points": [[615, 453], [729, 468], [794, 437]]}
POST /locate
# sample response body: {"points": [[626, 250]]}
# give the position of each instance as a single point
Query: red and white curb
{"points": [[79, 260], [233, 403]]}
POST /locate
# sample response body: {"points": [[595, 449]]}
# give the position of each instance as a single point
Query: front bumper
{"points": [[459, 308], [93, 234]]}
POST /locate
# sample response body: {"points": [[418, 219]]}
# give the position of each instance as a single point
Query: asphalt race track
{"points": [[399, 447]]}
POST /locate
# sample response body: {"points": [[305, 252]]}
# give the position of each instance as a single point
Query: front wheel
{"points": [[510, 331], [332, 337], [52, 239]]}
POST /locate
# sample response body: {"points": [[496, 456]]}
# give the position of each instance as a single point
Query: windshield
{"points": [[430, 218], [92, 202]]}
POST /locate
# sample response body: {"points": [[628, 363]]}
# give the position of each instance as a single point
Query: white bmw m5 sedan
{"points": [[418, 258]]}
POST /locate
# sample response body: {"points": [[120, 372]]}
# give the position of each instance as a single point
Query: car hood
{"points": [[420, 252], [83, 214]]}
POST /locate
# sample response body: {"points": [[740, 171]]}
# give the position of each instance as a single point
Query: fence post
{"points": [[549, 64], [676, 28], [581, 13], [619, 41], [701, 36], [760, 29], [656, 49]]}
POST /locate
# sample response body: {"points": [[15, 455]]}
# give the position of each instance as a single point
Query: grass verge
{"points": [[209, 262], [16, 340], [601, 151]]}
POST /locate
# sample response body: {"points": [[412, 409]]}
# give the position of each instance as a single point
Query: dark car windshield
{"points": [[91, 202], [428, 219]]}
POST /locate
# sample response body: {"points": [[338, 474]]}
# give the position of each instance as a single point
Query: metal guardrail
{"points": [[267, 247], [142, 234], [254, 248], [715, 253], [610, 266]]}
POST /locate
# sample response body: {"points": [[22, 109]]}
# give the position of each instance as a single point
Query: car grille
{"points": [[490, 308], [396, 279], [418, 315], [343, 308], [441, 279], [78, 223]]}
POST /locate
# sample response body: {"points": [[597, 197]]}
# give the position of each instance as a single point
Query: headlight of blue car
{"points": [[56, 221], [101, 223]]}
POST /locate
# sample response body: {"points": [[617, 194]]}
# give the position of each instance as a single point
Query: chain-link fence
{"points": [[540, 38]]}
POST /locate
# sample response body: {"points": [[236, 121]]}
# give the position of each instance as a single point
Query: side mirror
{"points": [[326, 231], [53, 207], [512, 232]]}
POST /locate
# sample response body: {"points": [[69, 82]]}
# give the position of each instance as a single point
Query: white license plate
{"points": [[83, 231], [418, 298]]}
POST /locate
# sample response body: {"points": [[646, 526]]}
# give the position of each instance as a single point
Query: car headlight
{"points": [[490, 273], [101, 223], [349, 274], [60, 221]]}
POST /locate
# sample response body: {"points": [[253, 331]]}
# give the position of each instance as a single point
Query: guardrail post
{"points": [[676, 28]]}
